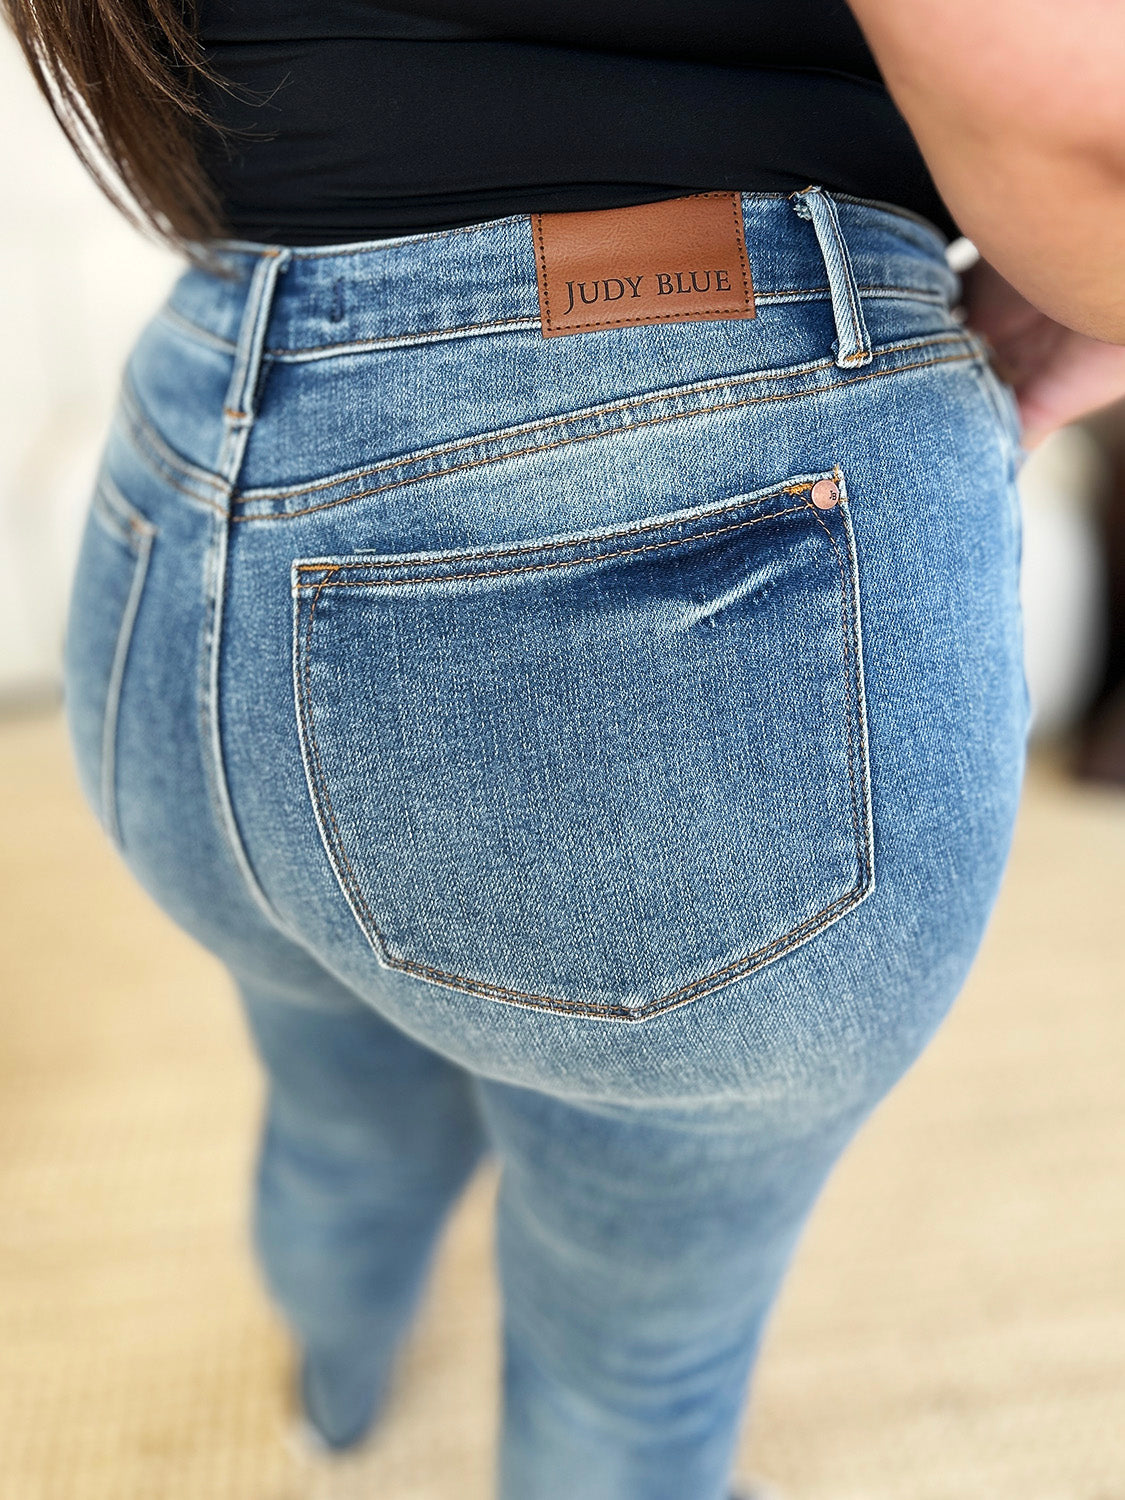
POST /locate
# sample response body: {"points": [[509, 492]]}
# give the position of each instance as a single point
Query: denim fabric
{"points": [[557, 780]]}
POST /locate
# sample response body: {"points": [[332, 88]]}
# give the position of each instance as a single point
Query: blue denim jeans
{"points": [[597, 751]]}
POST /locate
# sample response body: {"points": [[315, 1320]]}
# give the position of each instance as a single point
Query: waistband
{"points": [[482, 278]]}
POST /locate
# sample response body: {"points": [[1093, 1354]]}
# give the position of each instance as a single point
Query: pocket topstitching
{"points": [[601, 774]]}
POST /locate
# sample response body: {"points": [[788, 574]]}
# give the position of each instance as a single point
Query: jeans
{"points": [[600, 752]]}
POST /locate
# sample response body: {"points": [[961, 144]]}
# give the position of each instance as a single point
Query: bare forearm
{"points": [[1018, 111], [1054, 227]]}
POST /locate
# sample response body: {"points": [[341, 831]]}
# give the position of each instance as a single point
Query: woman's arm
{"points": [[1019, 109]]}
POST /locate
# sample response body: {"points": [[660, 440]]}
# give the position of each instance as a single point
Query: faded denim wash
{"points": [[557, 780]]}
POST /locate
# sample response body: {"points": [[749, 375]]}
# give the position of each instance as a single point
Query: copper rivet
{"points": [[825, 494]]}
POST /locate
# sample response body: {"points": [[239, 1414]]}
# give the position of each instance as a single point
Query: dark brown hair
{"points": [[120, 77]]}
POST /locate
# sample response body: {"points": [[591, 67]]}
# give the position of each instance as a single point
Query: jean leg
{"points": [[639, 1254], [368, 1138]]}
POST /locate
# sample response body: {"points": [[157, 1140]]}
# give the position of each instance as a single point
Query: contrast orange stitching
{"points": [[166, 478], [519, 319], [686, 993], [118, 526], [541, 258], [320, 785], [651, 398], [388, 340], [514, 319], [433, 234], [849, 647], [115, 509], [856, 714], [584, 437], [740, 241], [589, 539], [227, 247], [560, 562], [585, 415], [698, 312], [144, 439], [936, 338], [695, 990]]}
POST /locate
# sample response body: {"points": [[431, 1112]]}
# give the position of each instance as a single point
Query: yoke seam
{"points": [[168, 465], [630, 403], [172, 468], [516, 320], [492, 458]]}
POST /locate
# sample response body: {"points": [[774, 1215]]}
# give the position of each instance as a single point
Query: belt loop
{"points": [[853, 343], [240, 405]]}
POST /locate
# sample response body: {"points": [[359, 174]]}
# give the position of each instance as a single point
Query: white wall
{"points": [[76, 282]]}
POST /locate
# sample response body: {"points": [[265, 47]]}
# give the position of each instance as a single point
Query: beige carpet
{"points": [[954, 1328]]}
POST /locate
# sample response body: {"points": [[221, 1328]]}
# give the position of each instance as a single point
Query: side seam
{"points": [[239, 410]]}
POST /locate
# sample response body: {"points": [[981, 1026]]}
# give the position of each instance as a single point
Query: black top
{"points": [[356, 122]]}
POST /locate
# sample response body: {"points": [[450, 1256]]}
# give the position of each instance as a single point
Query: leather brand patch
{"points": [[680, 261]]}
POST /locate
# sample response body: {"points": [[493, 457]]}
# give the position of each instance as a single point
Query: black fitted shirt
{"points": [[347, 121]]}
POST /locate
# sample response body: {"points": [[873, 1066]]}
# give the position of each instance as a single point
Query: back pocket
{"points": [[110, 576], [602, 774]]}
